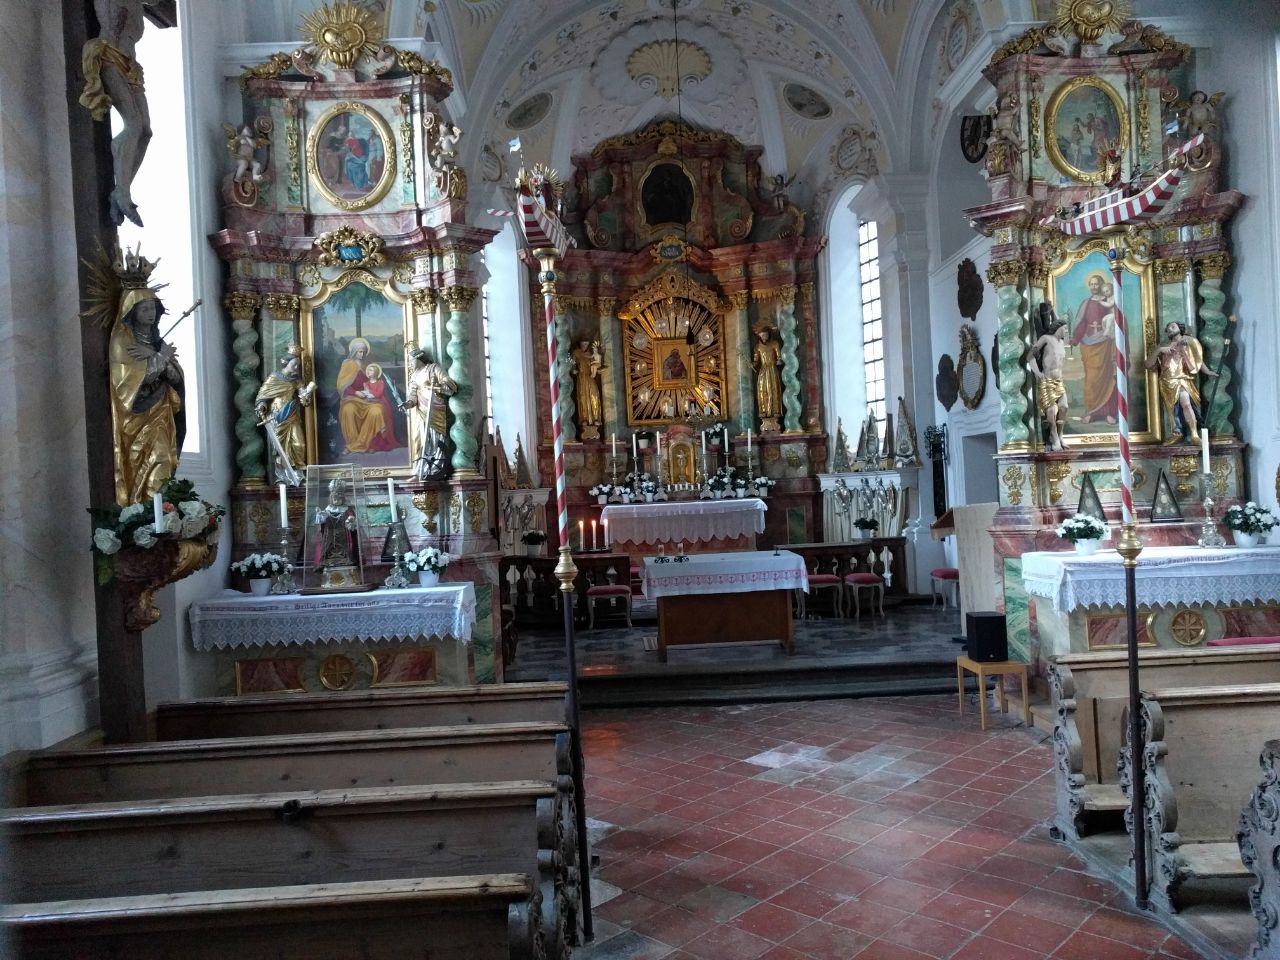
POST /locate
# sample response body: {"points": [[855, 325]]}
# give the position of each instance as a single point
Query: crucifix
{"points": [[95, 181]]}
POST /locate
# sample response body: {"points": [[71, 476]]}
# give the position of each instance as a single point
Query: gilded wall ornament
{"points": [[1213, 266], [348, 247], [1090, 19], [476, 505], [428, 504], [1006, 273], [972, 368], [665, 66], [342, 34], [1014, 477], [1184, 468], [1172, 269], [1056, 473]]}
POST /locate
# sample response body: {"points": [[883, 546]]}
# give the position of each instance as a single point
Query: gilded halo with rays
{"points": [[342, 33], [674, 350], [1090, 19]]}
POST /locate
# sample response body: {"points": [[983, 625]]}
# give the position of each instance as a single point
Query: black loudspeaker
{"points": [[987, 639]]}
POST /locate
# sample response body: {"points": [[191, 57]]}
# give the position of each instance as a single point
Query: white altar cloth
{"points": [[242, 620], [712, 573], [688, 520], [1166, 576]]}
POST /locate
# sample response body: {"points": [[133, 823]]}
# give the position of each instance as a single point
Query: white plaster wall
{"points": [[48, 685]]}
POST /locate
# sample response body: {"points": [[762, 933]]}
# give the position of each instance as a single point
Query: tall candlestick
{"points": [[724, 436], [581, 543], [157, 508], [391, 497], [704, 448], [1204, 449], [748, 443], [635, 450], [659, 454], [284, 508], [613, 445], [607, 542], [595, 538]]}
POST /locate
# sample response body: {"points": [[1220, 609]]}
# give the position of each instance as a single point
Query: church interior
{"points": [[793, 467]]}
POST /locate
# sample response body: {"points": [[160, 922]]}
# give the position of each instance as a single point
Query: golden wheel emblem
{"points": [[338, 672], [1187, 628]]}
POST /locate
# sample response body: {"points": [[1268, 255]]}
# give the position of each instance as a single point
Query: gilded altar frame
{"points": [[315, 174], [1051, 123], [1144, 393], [312, 343]]}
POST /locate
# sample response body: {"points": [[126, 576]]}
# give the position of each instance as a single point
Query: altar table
{"points": [[1186, 595], [337, 641], [724, 597], [732, 523]]}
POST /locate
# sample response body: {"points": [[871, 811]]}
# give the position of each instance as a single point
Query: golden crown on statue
{"points": [[133, 270]]}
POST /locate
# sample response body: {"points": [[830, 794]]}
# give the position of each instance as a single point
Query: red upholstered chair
{"points": [[943, 580], [823, 581], [857, 582], [610, 592]]}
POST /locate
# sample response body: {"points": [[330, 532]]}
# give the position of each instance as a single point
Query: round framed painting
{"points": [[351, 156]]}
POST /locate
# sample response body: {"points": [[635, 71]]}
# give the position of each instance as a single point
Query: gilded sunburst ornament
{"points": [[1090, 19], [342, 33]]}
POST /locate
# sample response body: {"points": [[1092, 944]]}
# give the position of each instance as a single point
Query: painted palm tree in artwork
{"points": [[357, 298]]}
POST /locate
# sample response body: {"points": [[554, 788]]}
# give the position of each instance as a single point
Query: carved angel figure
{"points": [[243, 144], [1200, 113]]}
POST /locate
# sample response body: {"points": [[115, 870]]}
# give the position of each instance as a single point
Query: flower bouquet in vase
{"points": [[1084, 532], [259, 568], [533, 541], [428, 563], [867, 527], [761, 486], [648, 487], [1250, 525], [602, 492]]}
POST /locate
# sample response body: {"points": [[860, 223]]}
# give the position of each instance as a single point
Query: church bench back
{"points": [[1259, 843], [313, 761], [363, 710], [486, 917]]}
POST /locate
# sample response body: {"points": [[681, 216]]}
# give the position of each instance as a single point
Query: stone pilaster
{"points": [[740, 394], [243, 307], [812, 363], [613, 382], [462, 403]]}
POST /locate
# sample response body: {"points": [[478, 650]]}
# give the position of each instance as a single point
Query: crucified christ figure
{"points": [[113, 78]]}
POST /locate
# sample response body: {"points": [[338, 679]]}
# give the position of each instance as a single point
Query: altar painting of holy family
{"points": [[356, 336], [1085, 295]]}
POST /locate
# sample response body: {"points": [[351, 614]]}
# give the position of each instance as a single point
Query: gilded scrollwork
{"points": [[476, 505], [428, 504], [1213, 266], [1172, 269], [1014, 478], [348, 247], [1006, 273], [1184, 468], [1056, 473]]}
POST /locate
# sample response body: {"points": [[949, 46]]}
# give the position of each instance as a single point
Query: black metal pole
{"points": [[566, 572], [1137, 747]]}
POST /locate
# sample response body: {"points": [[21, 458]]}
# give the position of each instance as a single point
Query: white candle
{"points": [[748, 443], [659, 436], [1204, 449], [704, 448], [284, 507], [157, 507], [635, 450], [391, 497], [607, 541], [581, 545], [613, 439], [595, 536], [724, 435]]}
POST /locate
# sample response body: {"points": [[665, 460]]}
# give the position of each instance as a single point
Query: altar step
{"points": [[602, 687]]}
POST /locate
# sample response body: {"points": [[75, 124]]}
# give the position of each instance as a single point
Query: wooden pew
{"points": [[360, 710], [320, 761], [488, 917], [1202, 743], [227, 842], [1259, 840], [1090, 691]]}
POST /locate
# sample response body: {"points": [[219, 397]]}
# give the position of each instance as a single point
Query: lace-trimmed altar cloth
{"points": [[687, 520], [741, 571], [1167, 576], [242, 620]]}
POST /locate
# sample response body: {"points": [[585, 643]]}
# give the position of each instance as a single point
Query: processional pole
{"points": [[546, 235]]}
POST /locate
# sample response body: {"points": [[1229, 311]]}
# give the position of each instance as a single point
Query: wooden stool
{"points": [[943, 579], [857, 582], [607, 591], [995, 668]]}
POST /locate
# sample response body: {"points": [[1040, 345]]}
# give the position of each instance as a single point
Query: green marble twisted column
{"points": [[739, 379], [243, 307], [462, 404], [612, 377], [1008, 277], [792, 406], [564, 369], [1212, 333]]}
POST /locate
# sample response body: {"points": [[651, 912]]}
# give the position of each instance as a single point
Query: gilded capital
{"points": [[1038, 275], [739, 300], [1213, 266], [241, 304], [424, 300], [1172, 269], [605, 306], [459, 298], [281, 306], [1005, 273]]}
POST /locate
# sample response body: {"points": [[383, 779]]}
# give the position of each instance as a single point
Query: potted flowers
{"points": [[602, 492], [533, 541], [648, 487], [739, 486], [1084, 532], [259, 568], [763, 485], [867, 527], [428, 563], [1250, 524]]}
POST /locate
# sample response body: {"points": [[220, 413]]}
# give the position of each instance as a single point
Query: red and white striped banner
{"points": [[557, 436], [1122, 391]]}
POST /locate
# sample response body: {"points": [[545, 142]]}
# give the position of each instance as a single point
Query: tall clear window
{"points": [[488, 359], [872, 326]]}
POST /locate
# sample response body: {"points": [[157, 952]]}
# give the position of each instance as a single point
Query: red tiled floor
{"points": [[773, 834]]}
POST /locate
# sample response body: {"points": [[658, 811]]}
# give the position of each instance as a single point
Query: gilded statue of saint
{"points": [[1046, 361], [429, 389], [587, 362], [279, 406], [766, 358], [147, 391], [1179, 362]]}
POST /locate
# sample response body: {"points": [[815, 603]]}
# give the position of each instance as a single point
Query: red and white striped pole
{"points": [[547, 277], [1122, 390]]}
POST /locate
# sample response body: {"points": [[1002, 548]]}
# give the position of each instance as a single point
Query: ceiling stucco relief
{"points": [[854, 153], [473, 25], [642, 62]]}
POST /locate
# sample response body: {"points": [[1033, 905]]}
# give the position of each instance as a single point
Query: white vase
{"points": [[602, 498], [1245, 540], [1087, 548], [648, 498], [428, 578], [762, 492], [260, 586], [717, 494]]}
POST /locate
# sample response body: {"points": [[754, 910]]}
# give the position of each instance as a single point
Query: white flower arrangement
{"points": [[765, 483], [428, 559], [259, 565], [601, 490], [183, 516], [648, 485], [106, 541], [145, 536], [1250, 518], [1082, 527]]}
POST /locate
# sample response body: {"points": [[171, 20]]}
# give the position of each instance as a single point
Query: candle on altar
{"points": [[284, 507], [635, 450], [391, 498], [605, 524], [613, 439], [704, 448], [157, 509], [724, 435], [748, 443], [581, 544], [659, 453], [595, 540], [1204, 449]]}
